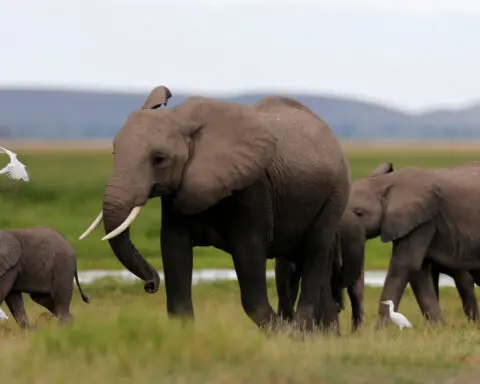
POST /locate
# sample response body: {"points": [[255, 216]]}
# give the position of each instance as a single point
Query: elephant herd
{"points": [[271, 181]]}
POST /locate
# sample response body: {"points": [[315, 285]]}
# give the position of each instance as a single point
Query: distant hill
{"points": [[40, 114]]}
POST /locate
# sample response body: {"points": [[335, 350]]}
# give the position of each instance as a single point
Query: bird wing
{"points": [[404, 321], [17, 173]]}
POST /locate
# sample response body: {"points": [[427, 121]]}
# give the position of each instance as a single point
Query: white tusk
{"points": [[94, 225], [129, 220]]}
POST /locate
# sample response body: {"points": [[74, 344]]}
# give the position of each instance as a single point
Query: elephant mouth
{"points": [[155, 191], [159, 191]]}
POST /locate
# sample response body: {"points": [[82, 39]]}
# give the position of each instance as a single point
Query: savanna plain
{"points": [[124, 335]]}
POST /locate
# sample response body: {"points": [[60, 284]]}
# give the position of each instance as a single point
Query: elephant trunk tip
{"points": [[151, 286]]}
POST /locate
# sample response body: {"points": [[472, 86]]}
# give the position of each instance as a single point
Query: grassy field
{"points": [[124, 336], [67, 186]]}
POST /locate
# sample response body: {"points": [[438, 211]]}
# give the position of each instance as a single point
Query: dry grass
{"points": [[124, 336]]}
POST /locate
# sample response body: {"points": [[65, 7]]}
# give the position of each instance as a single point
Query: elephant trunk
{"points": [[114, 214]]}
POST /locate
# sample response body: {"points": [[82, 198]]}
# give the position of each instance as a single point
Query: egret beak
{"points": [[384, 302]]}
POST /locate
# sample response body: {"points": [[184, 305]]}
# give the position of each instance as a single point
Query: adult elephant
{"points": [[431, 217], [263, 181]]}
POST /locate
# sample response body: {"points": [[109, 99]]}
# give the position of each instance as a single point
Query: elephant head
{"points": [[196, 153], [365, 202], [391, 206]]}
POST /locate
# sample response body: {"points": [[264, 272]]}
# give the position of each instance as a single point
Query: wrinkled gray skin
{"points": [[348, 272], [430, 215], [41, 262], [263, 181]]}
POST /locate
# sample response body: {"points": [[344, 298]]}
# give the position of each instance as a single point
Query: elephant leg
{"points": [[316, 303], [250, 261], [284, 274], [355, 293], [424, 291], [15, 304], [435, 272], [408, 254], [466, 289], [177, 259], [7, 280], [45, 300]]}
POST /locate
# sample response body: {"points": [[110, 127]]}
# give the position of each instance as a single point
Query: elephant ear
{"points": [[230, 149], [158, 96], [382, 169], [10, 251], [406, 206]]}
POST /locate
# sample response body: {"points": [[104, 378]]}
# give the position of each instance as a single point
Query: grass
{"points": [[124, 336], [67, 186]]}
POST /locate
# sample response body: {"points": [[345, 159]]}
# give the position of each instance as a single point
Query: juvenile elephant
{"points": [[263, 181], [353, 236], [41, 262], [349, 250], [431, 217]]}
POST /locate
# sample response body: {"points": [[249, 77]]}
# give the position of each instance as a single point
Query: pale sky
{"points": [[409, 54]]}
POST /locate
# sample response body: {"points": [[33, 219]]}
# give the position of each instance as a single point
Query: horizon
{"points": [[247, 92], [407, 55]]}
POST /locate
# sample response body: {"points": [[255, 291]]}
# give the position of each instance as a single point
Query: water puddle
{"points": [[372, 278]]}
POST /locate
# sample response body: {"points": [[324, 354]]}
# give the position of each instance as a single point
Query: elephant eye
{"points": [[159, 159], [358, 212]]}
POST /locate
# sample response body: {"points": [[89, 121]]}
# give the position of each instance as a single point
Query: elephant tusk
{"points": [[94, 225], [129, 220]]}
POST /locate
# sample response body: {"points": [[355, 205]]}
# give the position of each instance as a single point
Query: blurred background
{"points": [[391, 78]]}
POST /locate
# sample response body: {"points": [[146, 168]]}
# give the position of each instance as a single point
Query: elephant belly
{"points": [[35, 276], [458, 257]]}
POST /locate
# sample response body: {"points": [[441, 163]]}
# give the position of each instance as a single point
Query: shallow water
{"points": [[372, 278]]}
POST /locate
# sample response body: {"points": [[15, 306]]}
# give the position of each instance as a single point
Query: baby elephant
{"points": [[41, 262]]}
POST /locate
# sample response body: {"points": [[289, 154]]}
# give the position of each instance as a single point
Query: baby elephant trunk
{"points": [[84, 297]]}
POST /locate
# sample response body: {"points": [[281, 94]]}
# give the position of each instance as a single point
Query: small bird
{"points": [[3, 315], [397, 318], [14, 169]]}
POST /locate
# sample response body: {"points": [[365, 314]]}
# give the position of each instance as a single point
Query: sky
{"points": [[409, 54]]}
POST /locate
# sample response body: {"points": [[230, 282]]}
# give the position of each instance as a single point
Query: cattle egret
{"points": [[3, 315], [397, 318], [14, 169]]}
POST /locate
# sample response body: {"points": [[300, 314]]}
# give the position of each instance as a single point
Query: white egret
{"points": [[397, 318], [3, 315], [15, 169]]}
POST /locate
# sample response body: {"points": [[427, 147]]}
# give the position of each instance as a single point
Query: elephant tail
{"points": [[84, 297]]}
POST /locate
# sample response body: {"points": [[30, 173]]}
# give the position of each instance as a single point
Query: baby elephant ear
{"points": [[382, 169], [158, 96], [230, 151], [406, 207]]}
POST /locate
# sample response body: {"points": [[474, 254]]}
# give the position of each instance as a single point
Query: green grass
{"points": [[66, 190], [124, 336]]}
